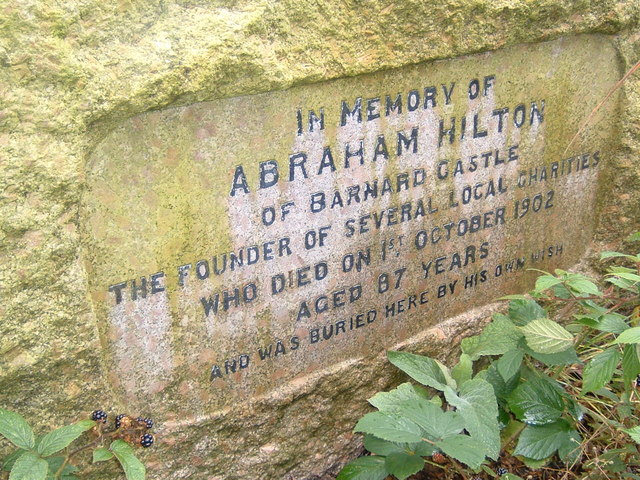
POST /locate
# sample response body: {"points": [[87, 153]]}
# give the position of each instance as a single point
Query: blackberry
{"points": [[99, 416], [119, 420], [146, 440], [147, 422], [502, 471]]}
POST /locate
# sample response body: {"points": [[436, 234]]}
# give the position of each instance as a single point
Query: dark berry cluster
{"points": [[99, 416], [502, 471], [131, 430], [146, 421], [119, 420], [146, 440]]}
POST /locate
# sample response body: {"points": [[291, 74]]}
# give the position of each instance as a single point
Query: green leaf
{"points": [[571, 449], [509, 364], [500, 336], [544, 282], [500, 387], [630, 365], [567, 357], [546, 336], [582, 285], [133, 468], [29, 467], [54, 464], [425, 370], [390, 427], [60, 438], [102, 454], [634, 237], [463, 370], [536, 402], [16, 429], [631, 335], [510, 476], [476, 402], [599, 371], [538, 442], [622, 283], [633, 277], [464, 449], [434, 422], [403, 465], [634, 433], [604, 255], [389, 401], [11, 459], [522, 312], [535, 464], [364, 468], [612, 323]]}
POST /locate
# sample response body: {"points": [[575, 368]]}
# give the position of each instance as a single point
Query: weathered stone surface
{"points": [[73, 72]]}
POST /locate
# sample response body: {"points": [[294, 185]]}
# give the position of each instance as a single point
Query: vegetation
{"points": [[42, 458], [555, 378]]}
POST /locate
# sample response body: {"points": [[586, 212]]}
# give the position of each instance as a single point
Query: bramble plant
{"points": [[42, 458], [552, 389]]}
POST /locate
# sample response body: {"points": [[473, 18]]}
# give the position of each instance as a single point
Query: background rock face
{"points": [[96, 191]]}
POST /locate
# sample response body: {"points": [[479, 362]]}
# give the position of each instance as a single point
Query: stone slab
{"points": [[237, 246]]}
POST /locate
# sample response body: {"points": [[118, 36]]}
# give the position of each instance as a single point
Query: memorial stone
{"points": [[222, 214], [240, 243]]}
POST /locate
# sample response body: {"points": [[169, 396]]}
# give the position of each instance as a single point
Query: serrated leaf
{"points": [[546, 336], [500, 336], [434, 422], [133, 468], [464, 449], [567, 357], [622, 283], [463, 370], [571, 449], [612, 323], [476, 402], [29, 466], [582, 285], [500, 387], [634, 433], [390, 427], [403, 465], [522, 312], [102, 454], [16, 429], [423, 369], [632, 335], [630, 364], [536, 402], [389, 401], [364, 468], [539, 442], [60, 438], [599, 371], [632, 277], [509, 364], [544, 282], [11, 459]]}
